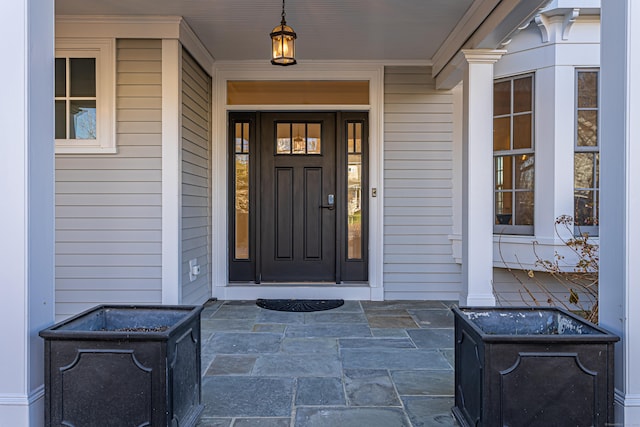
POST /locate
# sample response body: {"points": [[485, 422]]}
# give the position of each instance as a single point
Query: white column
{"points": [[477, 178], [26, 206], [620, 198], [171, 172]]}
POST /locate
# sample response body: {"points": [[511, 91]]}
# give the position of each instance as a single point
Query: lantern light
{"points": [[283, 49]]}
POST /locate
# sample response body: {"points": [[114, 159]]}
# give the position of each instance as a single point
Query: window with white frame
{"points": [[84, 96], [586, 163], [513, 154]]}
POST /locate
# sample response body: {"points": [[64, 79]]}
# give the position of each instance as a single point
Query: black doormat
{"points": [[299, 305]]}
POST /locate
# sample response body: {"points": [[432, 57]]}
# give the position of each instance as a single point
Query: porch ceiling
{"points": [[379, 30]]}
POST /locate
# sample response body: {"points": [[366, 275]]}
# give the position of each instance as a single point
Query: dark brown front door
{"points": [[297, 184]]}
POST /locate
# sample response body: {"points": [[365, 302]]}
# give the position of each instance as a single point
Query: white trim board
{"points": [[372, 72]]}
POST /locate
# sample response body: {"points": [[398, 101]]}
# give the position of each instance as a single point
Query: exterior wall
{"points": [[418, 199], [196, 180], [108, 207]]}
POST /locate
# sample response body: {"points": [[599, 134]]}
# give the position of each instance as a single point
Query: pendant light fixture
{"points": [[283, 39]]}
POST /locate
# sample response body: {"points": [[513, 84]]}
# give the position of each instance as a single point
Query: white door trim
{"points": [[307, 70]]}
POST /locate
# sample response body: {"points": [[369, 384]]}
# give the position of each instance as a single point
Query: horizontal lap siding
{"points": [[196, 179], [418, 161], [108, 207]]}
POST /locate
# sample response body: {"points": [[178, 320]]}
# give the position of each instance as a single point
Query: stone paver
{"points": [[320, 391], [351, 417], [373, 364]]}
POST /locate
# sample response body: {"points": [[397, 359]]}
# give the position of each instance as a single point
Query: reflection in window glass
{"points": [[75, 103], [241, 189], [299, 144], [513, 146], [354, 191], [83, 120], [298, 138], [587, 158], [314, 139]]}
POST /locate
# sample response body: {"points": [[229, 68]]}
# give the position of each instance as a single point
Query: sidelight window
{"points": [[354, 190], [587, 153]]}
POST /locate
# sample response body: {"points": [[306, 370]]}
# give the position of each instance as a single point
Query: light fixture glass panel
{"points": [[314, 138], [83, 120], [283, 143]]}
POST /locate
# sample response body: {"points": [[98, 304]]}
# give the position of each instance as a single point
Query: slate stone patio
{"points": [[386, 364]]}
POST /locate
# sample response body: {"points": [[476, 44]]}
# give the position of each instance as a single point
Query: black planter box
{"points": [[124, 366], [523, 366]]}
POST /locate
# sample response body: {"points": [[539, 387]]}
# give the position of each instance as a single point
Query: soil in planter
{"points": [[138, 329]]}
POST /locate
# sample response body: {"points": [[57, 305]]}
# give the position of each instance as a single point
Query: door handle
{"points": [[330, 203]]}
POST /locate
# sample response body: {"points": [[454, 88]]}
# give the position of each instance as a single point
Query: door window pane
{"points": [[314, 140], [283, 143], [299, 144], [354, 191], [299, 138], [241, 191]]}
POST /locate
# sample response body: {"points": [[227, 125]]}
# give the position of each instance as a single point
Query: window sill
{"points": [[84, 149]]}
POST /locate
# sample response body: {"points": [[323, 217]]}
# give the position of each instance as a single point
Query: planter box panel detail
{"points": [[124, 366], [553, 369]]}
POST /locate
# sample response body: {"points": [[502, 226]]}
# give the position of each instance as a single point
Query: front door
{"points": [[297, 184]]}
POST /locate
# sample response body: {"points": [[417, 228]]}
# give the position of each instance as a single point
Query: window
{"points": [[513, 155], [84, 96], [586, 164]]}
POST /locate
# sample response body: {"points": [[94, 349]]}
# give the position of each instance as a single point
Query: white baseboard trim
{"points": [[16, 399], [22, 409], [627, 409], [252, 292]]}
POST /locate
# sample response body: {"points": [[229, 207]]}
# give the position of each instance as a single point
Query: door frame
{"points": [[326, 70]]}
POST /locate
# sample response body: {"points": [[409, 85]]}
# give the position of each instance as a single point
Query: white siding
{"points": [[196, 180], [418, 161], [516, 288], [108, 207]]}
